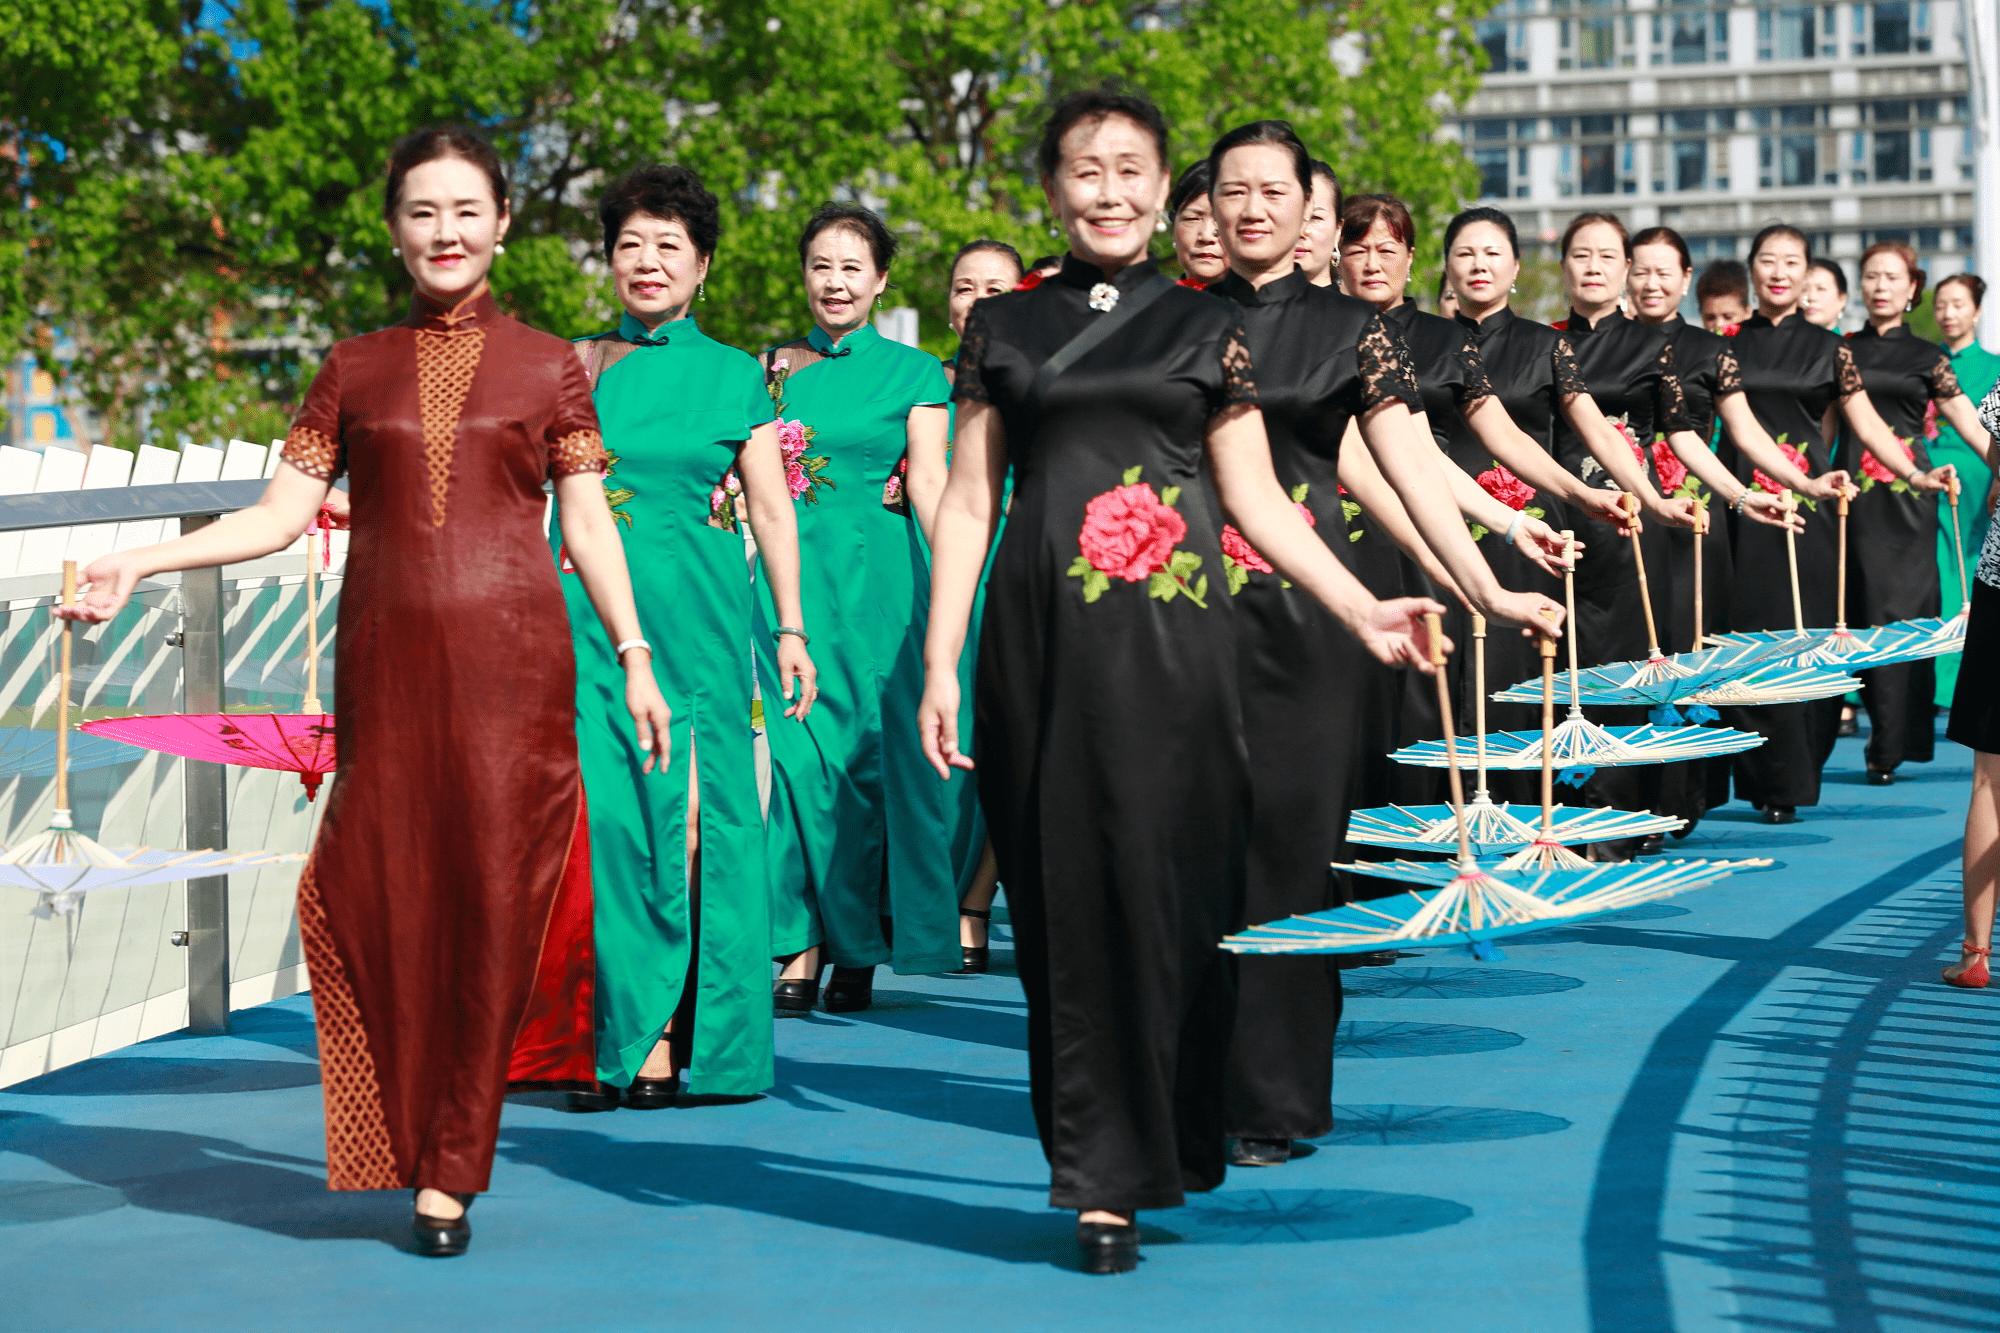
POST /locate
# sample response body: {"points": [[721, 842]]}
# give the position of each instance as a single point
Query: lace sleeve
{"points": [[1570, 382], [1944, 381], [1477, 384], [1846, 375], [1670, 402], [1384, 364], [313, 444], [968, 381], [1728, 374], [1989, 411], [1239, 377]]}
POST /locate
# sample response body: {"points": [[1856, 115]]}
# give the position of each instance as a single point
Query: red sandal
{"points": [[1972, 975]]}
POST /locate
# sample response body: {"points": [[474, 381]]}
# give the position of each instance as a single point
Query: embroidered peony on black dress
{"points": [[1308, 686], [1791, 372], [1109, 737], [1889, 527]]}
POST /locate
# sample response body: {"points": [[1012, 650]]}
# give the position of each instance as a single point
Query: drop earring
{"points": [[1514, 289], [878, 303], [1160, 223], [701, 291], [499, 249]]}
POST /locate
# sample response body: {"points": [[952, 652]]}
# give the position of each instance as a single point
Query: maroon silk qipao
{"points": [[434, 886]]}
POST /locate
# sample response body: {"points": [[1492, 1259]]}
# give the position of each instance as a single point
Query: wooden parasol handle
{"points": [[1840, 568], [1700, 532], [1479, 694], [1434, 629], [1547, 648], [1569, 621], [1631, 503], [1957, 541], [1792, 559], [62, 699], [312, 703]]}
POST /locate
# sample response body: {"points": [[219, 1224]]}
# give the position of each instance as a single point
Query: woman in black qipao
{"points": [[1111, 759], [1792, 371], [1891, 527]]}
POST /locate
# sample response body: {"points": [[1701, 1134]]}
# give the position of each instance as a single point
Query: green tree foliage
{"points": [[196, 196]]}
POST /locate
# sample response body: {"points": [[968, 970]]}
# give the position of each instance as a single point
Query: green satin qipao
{"points": [[674, 410], [860, 827]]}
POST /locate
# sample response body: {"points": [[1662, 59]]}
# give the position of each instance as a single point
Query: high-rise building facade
{"points": [[1853, 122]]}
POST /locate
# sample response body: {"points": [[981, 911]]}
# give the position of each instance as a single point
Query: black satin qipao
{"points": [[1308, 688], [1532, 370], [1109, 736], [1892, 568], [1791, 373]]}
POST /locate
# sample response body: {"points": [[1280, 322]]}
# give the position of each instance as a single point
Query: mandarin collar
{"points": [[1403, 314], [1085, 275], [1492, 324], [476, 311], [1869, 331], [1759, 320], [1275, 292], [851, 342], [1576, 323], [633, 330]]}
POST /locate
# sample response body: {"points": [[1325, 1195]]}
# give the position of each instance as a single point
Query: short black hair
{"points": [[1665, 236], [982, 246], [1781, 229], [1325, 171], [436, 141], [864, 222], [1483, 214], [1094, 105], [1724, 277], [1276, 133], [1193, 181], [670, 193], [1839, 276], [1046, 261]]}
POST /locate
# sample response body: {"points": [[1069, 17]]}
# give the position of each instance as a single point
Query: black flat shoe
{"points": [[1261, 1152], [795, 997], [1849, 726], [1881, 777], [1652, 844], [653, 1094], [851, 990], [1377, 958], [1104, 1247], [583, 1103], [1780, 814], [974, 957], [441, 1238]]}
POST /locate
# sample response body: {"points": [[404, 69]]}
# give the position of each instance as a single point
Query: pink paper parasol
{"points": [[300, 742]]}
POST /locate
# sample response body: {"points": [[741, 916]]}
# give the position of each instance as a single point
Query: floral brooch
{"points": [[1103, 297]]}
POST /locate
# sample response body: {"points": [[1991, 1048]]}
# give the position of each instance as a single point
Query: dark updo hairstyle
{"points": [[1276, 133], [983, 247], [1758, 242], [672, 194], [1582, 220], [1724, 277], [436, 141], [1839, 275], [1483, 214], [1902, 251], [1325, 172], [1192, 183], [1360, 214], [863, 222], [1048, 263], [1975, 287], [1664, 236], [1093, 105]]}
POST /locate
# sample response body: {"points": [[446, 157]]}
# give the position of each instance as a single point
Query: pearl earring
{"points": [[1160, 223], [499, 249], [395, 250]]}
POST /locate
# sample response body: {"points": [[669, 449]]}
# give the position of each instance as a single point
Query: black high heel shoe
{"points": [[796, 996], [851, 990], [604, 1097], [975, 957], [653, 1094], [441, 1238], [1106, 1247]]}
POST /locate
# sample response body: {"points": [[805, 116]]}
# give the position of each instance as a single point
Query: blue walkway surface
{"points": [[1752, 1108]]}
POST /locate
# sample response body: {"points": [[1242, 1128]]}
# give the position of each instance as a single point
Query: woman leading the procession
{"points": [[1892, 568], [435, 876], [1791, 371], [681, 902], [861, 839], [1110, 745], [1310, 694]]}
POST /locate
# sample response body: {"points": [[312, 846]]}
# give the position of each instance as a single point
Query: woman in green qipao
{"points": [[1956, 308], [677, 859], [860, 834]]}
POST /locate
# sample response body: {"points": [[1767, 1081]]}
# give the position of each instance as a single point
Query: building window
{"points": [[1492, 164], [1691, 164], [1788, 160], [1891, 29], [1493, 37], [1787, 34], [1892, 156], [1489, 129], [1596, 43], [1598, 172]]}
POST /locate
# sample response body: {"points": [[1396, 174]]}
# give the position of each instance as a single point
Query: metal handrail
{"points": [[116, 504]]}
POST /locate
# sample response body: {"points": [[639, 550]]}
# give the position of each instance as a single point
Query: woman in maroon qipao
{"points": [[446, 909]]}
